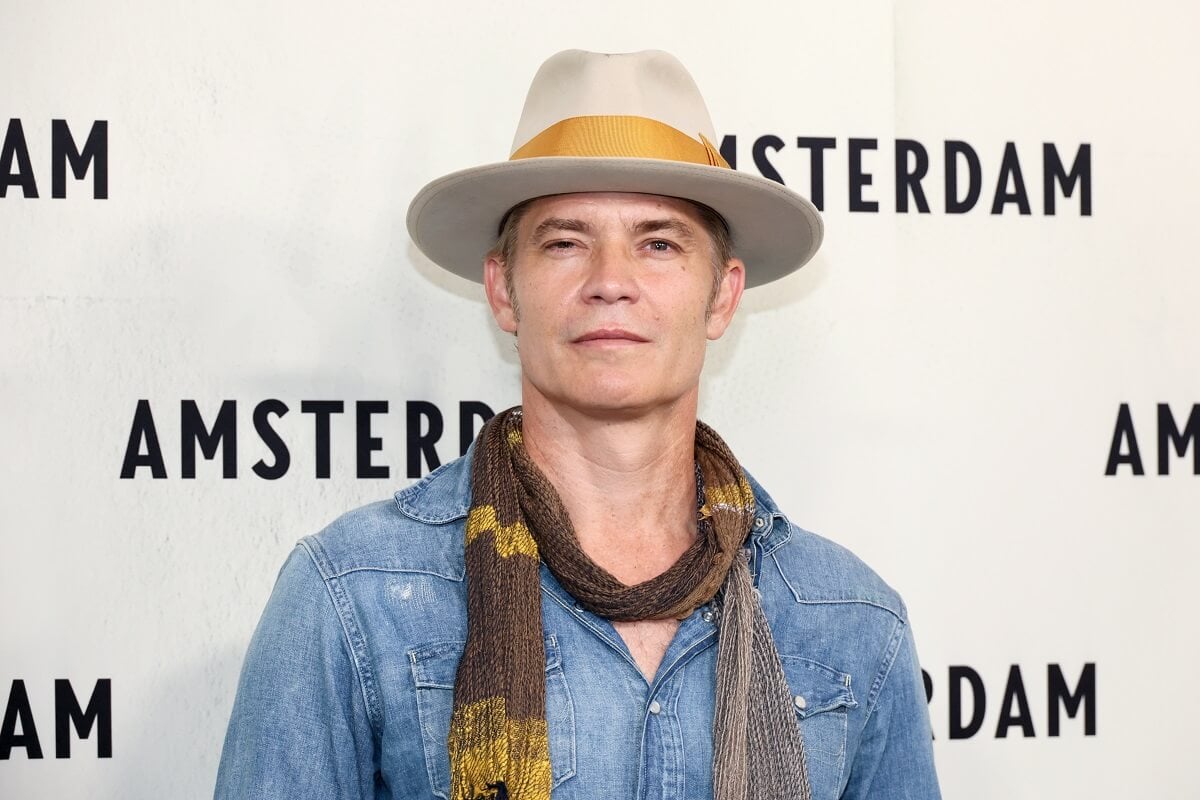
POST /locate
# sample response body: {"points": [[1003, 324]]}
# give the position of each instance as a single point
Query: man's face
{"points": [[612, 291]]}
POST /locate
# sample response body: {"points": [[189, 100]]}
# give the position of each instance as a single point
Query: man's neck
{"points": [[628, 484]]}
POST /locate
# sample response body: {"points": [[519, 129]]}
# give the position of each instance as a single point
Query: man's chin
{"points": [[614, 405]]}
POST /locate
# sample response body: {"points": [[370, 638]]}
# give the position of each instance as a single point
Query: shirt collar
{"points": [[770, 528]]}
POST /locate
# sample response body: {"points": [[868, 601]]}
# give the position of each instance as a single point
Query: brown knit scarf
{"points": [[498, 742]]}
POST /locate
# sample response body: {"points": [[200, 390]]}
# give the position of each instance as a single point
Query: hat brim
{"points": [[454, 220]]}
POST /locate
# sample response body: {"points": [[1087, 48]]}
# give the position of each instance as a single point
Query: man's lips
{"points": [[614, 335]]}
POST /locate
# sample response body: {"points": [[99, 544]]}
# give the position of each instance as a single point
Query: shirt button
{"points": [[655, 707], [759, 522], [801, 703], [707, 616]]}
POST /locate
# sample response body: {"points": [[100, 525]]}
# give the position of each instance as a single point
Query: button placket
{"points": [[664, 745]]}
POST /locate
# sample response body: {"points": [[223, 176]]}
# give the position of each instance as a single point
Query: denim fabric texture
{"points": [[347, 687]]}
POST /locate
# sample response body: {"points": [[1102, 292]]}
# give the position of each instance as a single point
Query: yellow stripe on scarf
{"points": [[514, 437], [486, 748], [730, 497], [509, 540]]}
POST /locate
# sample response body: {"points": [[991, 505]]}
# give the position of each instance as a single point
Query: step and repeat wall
{"points": [[216, 336]]}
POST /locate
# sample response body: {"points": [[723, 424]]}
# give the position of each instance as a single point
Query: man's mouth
{"points": [[610, 335]]}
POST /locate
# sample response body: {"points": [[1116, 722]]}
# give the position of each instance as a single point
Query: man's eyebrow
{"points": [[677, 226], [559, 224]]}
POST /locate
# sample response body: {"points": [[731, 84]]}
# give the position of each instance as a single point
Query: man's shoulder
{"points": [[416, 530], [820, 570], [827, 572]]}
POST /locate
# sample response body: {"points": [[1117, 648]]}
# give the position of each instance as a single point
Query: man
{"points": [[596, 601]]}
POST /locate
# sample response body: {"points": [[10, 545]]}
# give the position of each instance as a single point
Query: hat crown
{"points": [[614, 122], [578, 83]]}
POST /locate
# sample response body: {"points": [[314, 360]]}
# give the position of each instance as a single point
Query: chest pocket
{"points": [[822, 698], [434, 667]]}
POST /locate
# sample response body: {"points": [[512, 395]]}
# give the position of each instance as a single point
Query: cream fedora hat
{"points": [[624, 122]]}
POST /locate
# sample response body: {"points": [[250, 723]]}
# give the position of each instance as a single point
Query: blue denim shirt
{"points": [[347, 686]]}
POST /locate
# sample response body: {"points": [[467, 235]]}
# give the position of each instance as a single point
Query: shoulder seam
{"points": [[856, 600], [896, 609], [885, 668], [398, 570], [354, 638]]}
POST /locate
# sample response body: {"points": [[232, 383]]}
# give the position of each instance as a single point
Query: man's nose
{"points": [[612, 275]]}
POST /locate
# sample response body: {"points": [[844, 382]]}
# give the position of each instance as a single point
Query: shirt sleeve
{"points": [[299, 727], [895, 756]]}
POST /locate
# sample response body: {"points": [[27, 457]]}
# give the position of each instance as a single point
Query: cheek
{"points": [[685, 335], [689, 319], [537, 331]]}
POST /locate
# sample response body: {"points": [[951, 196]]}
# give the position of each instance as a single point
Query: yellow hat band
{"points": [[616, 136]]}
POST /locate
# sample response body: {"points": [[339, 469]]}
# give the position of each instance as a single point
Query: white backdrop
{"points": [[938, 391]]}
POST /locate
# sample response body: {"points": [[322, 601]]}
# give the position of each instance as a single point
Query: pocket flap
{"points": [[816, 687]]}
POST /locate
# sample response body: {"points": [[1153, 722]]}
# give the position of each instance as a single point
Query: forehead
{"points": [[623, 206]]}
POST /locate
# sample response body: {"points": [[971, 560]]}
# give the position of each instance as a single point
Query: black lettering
{"points": [[14, 149], [1014, 693], [816, 165], [1168, 434], [1085, 694], [1123, 432], [1010, 170], [858, 178], [321, 410], [729, 149], [928, 681], [17, 710], [367, 443], [759, 152], [141, 430], [63, 151], [67, 713], [422, 444], [978, 706], [270, 437], [955, 204], [468, 410], [192, 431], [911, 181], [1053, 173]]}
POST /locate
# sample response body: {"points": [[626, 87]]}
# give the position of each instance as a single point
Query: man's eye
{"points": [[661, 246], [560, 245]]}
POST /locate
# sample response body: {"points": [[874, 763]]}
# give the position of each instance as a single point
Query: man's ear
{"points": [[496, 287], [729, 295]]}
